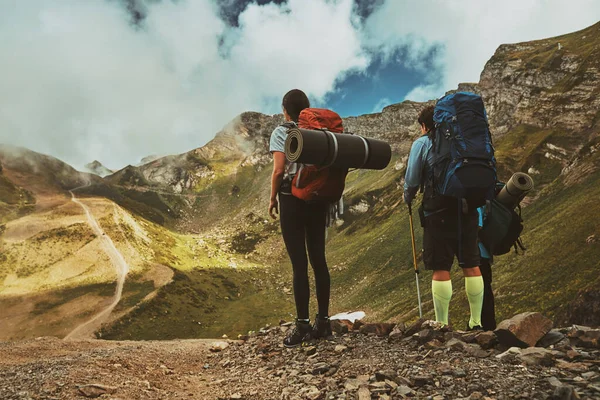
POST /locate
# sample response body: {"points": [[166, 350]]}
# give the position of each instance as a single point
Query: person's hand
{"points": [[274, 208]]}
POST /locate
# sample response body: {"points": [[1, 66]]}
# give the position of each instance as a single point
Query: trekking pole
{"points": [[414, 251]]}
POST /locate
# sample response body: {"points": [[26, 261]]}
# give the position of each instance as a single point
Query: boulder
{"points": [[486, 340], [340, 326], [537, 356], [456, 344], [523, 330], [583, 336], [95, 390], [414, 328], [398, 332], [550, 338], [357, 324], [381, 329]]}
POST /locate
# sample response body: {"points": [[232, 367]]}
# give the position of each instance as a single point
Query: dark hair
{"points": [[426, 117], [295, 101]]}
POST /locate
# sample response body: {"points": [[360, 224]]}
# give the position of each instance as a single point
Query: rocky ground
{"points": [[373, 361]]}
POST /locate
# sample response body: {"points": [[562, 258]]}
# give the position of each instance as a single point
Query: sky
{"points": [[118, 80]]}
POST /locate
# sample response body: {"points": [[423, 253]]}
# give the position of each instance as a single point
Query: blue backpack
{"points": [[464, 166]]}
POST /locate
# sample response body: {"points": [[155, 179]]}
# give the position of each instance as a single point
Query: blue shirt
{"points": [[277, 143], [420, 156]]}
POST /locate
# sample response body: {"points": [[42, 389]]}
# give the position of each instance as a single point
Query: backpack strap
{"points": [[289, 125]]}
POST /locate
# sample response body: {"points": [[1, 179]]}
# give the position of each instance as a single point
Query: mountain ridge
{"points": [[204, 212]]}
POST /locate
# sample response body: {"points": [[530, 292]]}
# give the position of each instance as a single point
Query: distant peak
{"points": [[97, 168]]}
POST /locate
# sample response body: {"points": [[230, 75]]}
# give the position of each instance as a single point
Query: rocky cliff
{"points": [[547, 83]]}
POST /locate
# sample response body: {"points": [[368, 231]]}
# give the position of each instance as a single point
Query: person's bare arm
{"points": [[276, 179]]}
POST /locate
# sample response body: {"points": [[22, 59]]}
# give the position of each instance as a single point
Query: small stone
{"points": [[459, 373], [340, 348], [381, 329], [476, 396], [397, 332], [388, 374], [509, 354], [422, 380], [486, 340], [574, 367], [357, 325], [476, 351], [364, 393], [537, 356], [313, 393], [554, 382], [404, 390], [218, 346], [572, 354], [414, 328], [340, 327], [309, 351], [455, 344], [424, 335], [589, 375], [352, 384], [236, 396], [379, 387], [96, 390], [565, 392], [320, 368], [434, 345], [550, 338]]}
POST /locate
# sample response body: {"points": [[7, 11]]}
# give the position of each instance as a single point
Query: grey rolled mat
{"points": [[340, 150]]}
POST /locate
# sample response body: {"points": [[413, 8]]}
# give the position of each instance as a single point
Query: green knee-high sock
{"points": [[442, 293], [474, 289]]}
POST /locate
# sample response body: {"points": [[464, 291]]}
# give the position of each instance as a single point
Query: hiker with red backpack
{"points": [[303, 217], [453, 163]]}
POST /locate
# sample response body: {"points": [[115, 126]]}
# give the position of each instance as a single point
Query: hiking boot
{"points": [[321, 327], [300, 333], [475, 328]]}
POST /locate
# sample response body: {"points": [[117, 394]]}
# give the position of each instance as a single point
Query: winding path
{"points": [[86, 329]]}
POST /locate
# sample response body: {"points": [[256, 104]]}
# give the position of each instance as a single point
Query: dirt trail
{"points": [[86, 329]]}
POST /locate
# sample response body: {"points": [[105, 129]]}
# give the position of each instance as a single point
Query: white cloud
{"points": [[468, 31], [381, 104], [78, 81]]}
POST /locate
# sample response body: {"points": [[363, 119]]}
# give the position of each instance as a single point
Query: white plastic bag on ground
{"points": [[350, 316]]}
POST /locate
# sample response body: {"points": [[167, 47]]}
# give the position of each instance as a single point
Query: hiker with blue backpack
{"points": [[454, 166]]}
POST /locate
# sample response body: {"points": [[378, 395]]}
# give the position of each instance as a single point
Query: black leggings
{"points": [[303, 228]]}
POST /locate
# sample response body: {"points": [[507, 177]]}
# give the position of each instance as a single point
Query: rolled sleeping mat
{"points": [[298, 140], [324, 148], [515, 189]]}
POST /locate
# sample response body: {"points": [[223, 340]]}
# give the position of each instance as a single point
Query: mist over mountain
{"points": [[118, 80]]}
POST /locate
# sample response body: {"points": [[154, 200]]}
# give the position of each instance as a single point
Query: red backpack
{"points": [[313, 183]]}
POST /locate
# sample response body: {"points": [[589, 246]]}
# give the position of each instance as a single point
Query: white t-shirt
{"points": [[277, 143]]}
